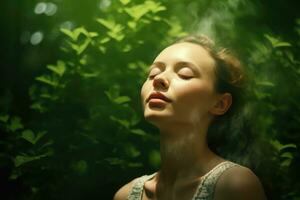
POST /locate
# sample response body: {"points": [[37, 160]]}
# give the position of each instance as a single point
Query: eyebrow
{"points": [[157, 63], [186, 63]]}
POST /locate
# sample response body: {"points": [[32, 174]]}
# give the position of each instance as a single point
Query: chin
{"points": [[156, 117]]}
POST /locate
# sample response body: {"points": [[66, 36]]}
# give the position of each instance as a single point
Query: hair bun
{"points": [[237, 77]]}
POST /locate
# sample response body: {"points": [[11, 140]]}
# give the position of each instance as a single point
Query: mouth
{"points": [[158, 96]]}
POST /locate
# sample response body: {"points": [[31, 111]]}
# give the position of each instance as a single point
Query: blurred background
{"points": [[71, 121]]}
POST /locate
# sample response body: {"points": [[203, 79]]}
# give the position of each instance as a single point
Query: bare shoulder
{"points": [[239, 182], [123, 192]]}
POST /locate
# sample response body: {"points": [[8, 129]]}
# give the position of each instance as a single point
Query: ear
{"points": [[222, 105]]}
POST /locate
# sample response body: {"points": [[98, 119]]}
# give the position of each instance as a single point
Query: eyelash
{"points": [[181, 76], [151, 77], [185, 77]]}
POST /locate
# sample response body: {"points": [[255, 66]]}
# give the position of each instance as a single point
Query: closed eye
{"points": [[185, 73], [153, 72], [185, 77]]}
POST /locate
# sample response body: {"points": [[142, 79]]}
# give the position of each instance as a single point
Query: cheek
{"points": [[196, 96]]}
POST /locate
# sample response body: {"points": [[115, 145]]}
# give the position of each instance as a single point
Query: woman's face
{"points": [[184, 74]]}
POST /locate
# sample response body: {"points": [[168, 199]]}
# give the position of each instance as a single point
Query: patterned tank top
{"points": [[205, 190]]}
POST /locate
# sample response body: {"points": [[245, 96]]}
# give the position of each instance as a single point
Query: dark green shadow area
{"points": [[71, 120]]}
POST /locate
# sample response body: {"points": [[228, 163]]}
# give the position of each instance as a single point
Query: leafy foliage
{"points": [[85, 133]]}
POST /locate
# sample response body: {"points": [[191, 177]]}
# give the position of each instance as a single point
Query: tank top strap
{"points": [[208, 182], [138, 186]]}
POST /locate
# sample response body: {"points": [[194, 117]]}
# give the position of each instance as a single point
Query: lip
{"points": [[158, 95]]}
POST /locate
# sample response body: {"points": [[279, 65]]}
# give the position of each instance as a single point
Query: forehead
{"points": [[187, 52]]}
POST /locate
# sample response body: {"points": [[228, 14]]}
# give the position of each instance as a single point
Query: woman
{"points": [[189, 86]]}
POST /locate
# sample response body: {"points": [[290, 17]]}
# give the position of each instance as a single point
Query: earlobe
{"points": [[222, 105]]}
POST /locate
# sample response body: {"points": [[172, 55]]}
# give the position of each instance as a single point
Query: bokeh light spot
{"points": [[36, 38], [50, 9], [104, 4], [67, 25], [40, 8]]}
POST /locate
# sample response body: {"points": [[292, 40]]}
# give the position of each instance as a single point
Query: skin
{"points": [[185, 73]]}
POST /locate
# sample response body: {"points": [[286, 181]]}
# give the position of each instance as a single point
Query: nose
{"points": [[160, 82]]}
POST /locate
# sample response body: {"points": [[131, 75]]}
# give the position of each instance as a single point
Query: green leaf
{"points": [[157, 18], [132, 66], [122, 122], [4, 118], [34, 190], [23, 159], [115, 161], [104, 40], [139, 132], [132, 151], [155, 6], [45, 94], [136, 12], [116, 36], [154, 158], [47, 80], [92, 34], [276, 42], [287, 155], [116, 33], [261, 95], [89, 75], [122, 99], [113, 95], [79, 48], [125, 2], [74, 34], [134, 164], [113, 92], [265, 83], [69, 33], [288, 146], [38, 107], [29, 136], [109, 24], [102, 49], [134, 119], [80, 167], [15, 124], [276, 144], [286, 163], [39, 135], [127, 48], [59, 68], [283, 44], [83, 46], [115, 30], [291, 57], [281, 147], [132, 24], [15, 174], [175, 29], [47, 144]]}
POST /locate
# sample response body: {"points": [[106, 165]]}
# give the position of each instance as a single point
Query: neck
{"points": [[184, 153]]}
